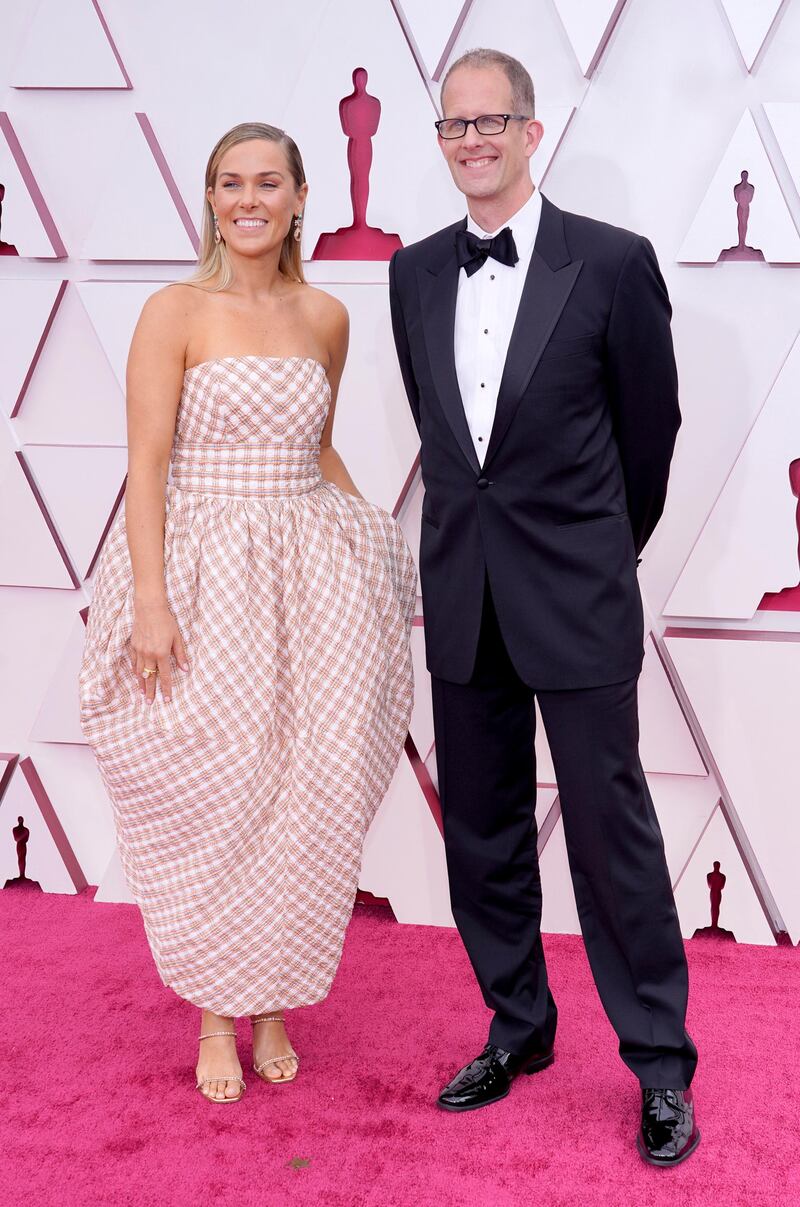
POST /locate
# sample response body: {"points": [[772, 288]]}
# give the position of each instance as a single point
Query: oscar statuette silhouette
{"points": [[716, 883], [6, 249], [787, 600], [359, 114], [743, 193], [21, 834]]}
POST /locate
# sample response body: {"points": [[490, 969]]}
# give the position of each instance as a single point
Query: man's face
{"points": [[486, 166]]}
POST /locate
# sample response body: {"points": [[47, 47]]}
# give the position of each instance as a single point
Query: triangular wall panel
{"points": [[556, 120], [51, 861], [683, 806], [27, 225], [73, 782], [744, 693], [69, 45], [740, 911], [114, 308], [59, 716], [666, 745], [82, 487], [140, 215], [432, 30], [589, 24], [748, 545], [8, 764], [29, 552], [404, 856], [770, 229], [374, 431], [404, 147], [113, 886], [784, 117], [27, 312], [73, 396], [751, 21]]}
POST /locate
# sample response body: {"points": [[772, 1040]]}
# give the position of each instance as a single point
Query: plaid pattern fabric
{"points": [[241, 806]]}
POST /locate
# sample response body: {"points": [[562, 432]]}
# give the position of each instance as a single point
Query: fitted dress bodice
{"points": [[251, 425]]}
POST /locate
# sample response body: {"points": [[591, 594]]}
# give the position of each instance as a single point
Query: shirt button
{"points": [[486, 331], [483, 385], [491, 278], [480, 438]]}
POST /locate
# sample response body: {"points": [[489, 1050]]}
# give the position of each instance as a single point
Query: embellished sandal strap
{"points": [[227, 1077], [211, 1034], [273, 1060], [268, 1018]]}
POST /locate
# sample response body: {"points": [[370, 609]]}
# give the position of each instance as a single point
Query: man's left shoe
{"points": [[668, 1134], [488, 1078]]}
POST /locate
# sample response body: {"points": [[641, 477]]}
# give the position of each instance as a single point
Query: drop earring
{"points": [[217, 235], [298, 227]]}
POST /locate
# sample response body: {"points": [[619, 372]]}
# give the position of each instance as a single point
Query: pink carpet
{"points": [[99, 1107]]}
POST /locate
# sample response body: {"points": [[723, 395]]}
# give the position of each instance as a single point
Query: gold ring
{"points": [[147, 671]]}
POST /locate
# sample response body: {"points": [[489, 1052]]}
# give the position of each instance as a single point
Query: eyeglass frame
{"points": [[473, 121]]}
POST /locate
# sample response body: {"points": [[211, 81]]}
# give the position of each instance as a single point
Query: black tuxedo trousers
{"points": [[487, 783]]}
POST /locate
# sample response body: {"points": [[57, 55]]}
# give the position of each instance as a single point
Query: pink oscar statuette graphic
{"points": [[6, 249], [359, 114], [716, 883], [743, 193], [21, 834], [787, 600]]}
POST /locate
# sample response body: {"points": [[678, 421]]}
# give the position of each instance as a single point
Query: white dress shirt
{"points": [[486, 309]]}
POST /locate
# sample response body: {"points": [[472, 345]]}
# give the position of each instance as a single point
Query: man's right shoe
{"points": [[669, 1133], [488, 1078]]}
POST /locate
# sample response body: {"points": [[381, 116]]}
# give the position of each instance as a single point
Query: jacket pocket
{"points": [[572, 525], [557, 349]]}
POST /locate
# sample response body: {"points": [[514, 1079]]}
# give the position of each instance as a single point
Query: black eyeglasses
{"points": [[487, 123]]}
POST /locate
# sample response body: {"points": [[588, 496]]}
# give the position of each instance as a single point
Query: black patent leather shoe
{"points": [[488, 1078], [668, 1134]]}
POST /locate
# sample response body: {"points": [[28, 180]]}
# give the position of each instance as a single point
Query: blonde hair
{"points": [[213, 261]]}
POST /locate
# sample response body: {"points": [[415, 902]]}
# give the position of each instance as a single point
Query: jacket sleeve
{"points": [[643, 385], [401, 341]]}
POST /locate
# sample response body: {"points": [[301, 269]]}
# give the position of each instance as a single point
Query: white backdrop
{"points": [[652, 110]]}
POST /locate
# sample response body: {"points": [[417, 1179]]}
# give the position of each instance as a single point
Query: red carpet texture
{"points": [[99, 1106]]}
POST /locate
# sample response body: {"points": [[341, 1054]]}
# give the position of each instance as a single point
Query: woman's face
{"points": [[255, 198]]}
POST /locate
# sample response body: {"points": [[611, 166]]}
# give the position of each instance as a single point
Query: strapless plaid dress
{"points": [[241, 806]]}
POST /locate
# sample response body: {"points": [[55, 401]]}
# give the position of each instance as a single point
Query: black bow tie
{"points": [[473, 252]]}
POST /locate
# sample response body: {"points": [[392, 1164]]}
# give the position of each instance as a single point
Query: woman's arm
{"points": [[154, 383], [337, 322]]}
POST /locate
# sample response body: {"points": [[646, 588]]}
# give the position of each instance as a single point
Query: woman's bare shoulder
{"points": [[169, 316], [325, 307], [176, 300]]}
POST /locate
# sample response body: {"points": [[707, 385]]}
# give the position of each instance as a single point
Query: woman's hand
{"points": [[155, 636]]}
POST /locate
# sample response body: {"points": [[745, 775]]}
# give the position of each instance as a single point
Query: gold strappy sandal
{"points": [[273, 1060], [227, 1077]]}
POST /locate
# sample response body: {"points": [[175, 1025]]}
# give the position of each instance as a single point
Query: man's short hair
{"points": [[522, 96]]}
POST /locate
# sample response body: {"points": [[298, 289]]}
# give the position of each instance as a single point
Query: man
{"points": [[536, 353]]}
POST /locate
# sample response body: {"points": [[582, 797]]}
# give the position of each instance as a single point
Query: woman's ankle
{"points": [[209, 1021]]}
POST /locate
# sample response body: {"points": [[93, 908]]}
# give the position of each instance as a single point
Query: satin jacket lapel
{"points": [[551, 277], [438, 289]]}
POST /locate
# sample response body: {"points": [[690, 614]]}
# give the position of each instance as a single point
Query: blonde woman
{"points": [[247, 681]]}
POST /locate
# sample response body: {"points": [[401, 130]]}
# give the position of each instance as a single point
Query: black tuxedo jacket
{"points": [[576, 468]]}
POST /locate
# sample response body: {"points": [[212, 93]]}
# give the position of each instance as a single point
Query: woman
{"points": [[247, 681]]}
